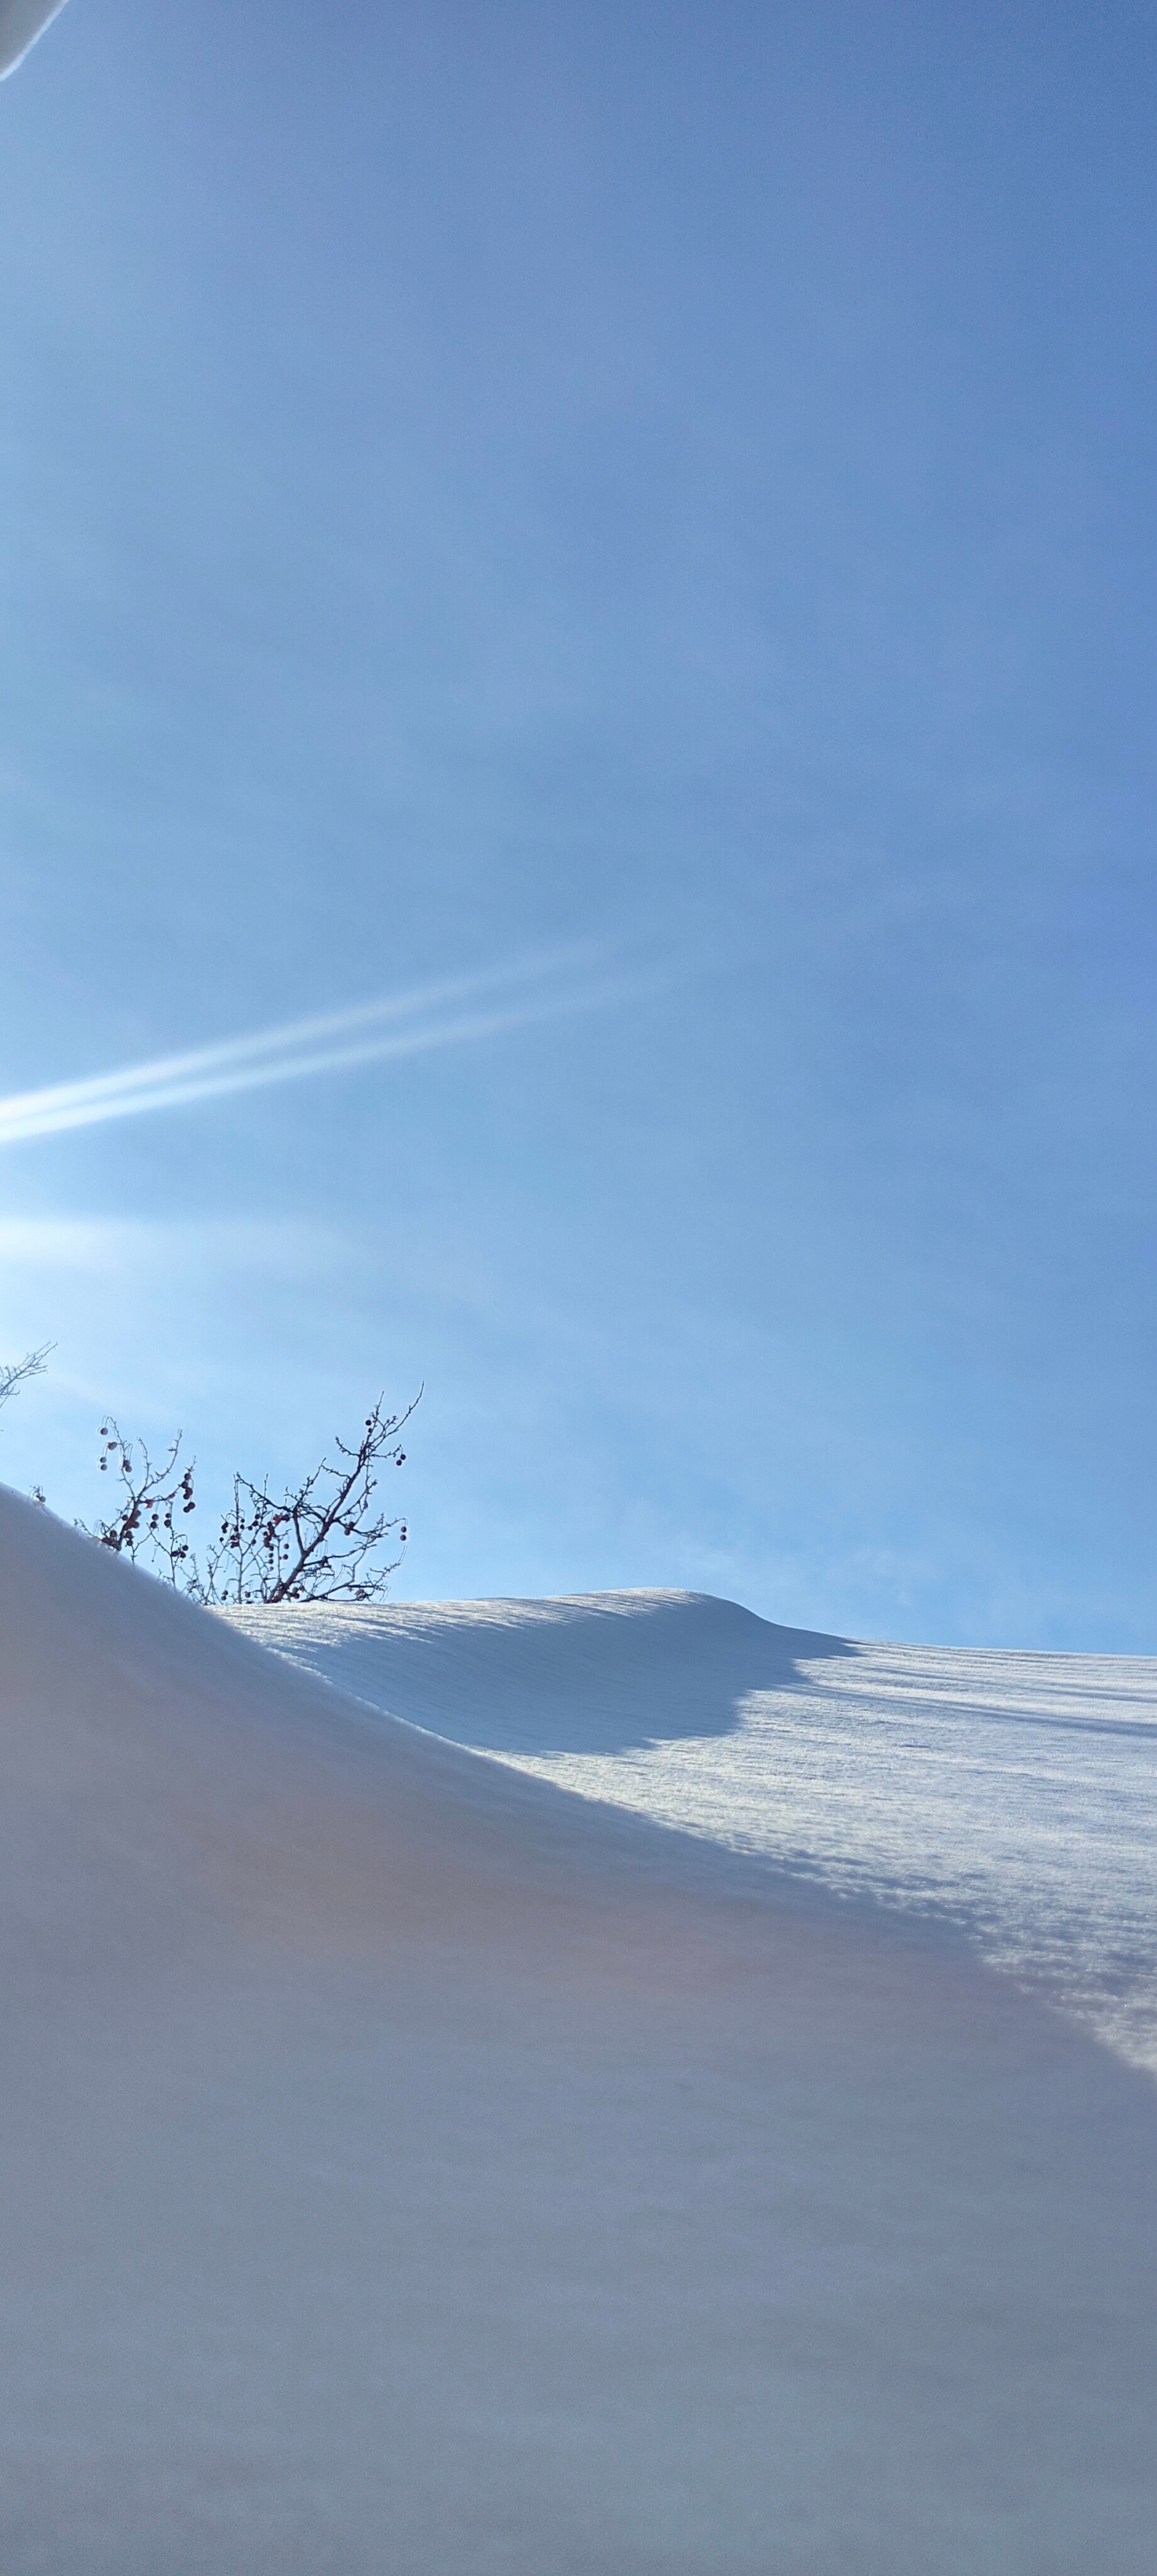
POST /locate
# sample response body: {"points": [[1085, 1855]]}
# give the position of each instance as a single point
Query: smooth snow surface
{"points": [[1017, 1793], [411, 2169]]}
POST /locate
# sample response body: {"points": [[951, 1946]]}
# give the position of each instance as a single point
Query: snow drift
{"points": [[1015, 1794], [412, 2166]]}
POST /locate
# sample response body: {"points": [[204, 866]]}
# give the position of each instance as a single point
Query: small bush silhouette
{"points": [[317, 1541]]}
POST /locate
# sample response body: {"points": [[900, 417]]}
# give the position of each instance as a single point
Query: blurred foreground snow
{"points": [[410, 2166]]}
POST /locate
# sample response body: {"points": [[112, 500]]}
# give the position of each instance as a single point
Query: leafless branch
{"points": [[317, 1542], [20, 1371], [152, 1502], [320, 1541]]}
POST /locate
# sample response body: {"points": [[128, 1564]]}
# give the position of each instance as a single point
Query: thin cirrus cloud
{"points": [[400, 1024]]}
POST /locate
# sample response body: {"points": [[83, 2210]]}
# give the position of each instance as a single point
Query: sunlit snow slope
{"points": [[1015, 1792], [411, 2169]]}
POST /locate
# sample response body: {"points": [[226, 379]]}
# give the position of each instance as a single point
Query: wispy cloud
{"points": [[399, 1024], [121, 1248]]}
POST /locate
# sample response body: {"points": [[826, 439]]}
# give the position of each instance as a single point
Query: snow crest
{"points": [[1014, 1793]]}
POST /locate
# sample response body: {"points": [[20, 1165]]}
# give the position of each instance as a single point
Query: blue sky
{"points": [[658, 502]]}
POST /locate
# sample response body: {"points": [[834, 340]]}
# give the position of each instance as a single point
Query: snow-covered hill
{"points": [[410, 2166], [1016, 1793]]}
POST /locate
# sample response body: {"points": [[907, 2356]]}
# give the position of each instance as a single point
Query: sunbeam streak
{"points": [[400, 1024]]}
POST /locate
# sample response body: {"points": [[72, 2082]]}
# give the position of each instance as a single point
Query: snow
{"points": [[413, 2166], [1014, 1793]]}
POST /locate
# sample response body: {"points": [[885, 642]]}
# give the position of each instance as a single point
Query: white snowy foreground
{"points": [[415, 2169]]}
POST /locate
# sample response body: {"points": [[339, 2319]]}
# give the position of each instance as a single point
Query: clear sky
{"points": [[636, 521]]}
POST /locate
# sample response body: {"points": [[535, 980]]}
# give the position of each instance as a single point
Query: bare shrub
{"points": [[318, 1541], [144, 1523]]}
